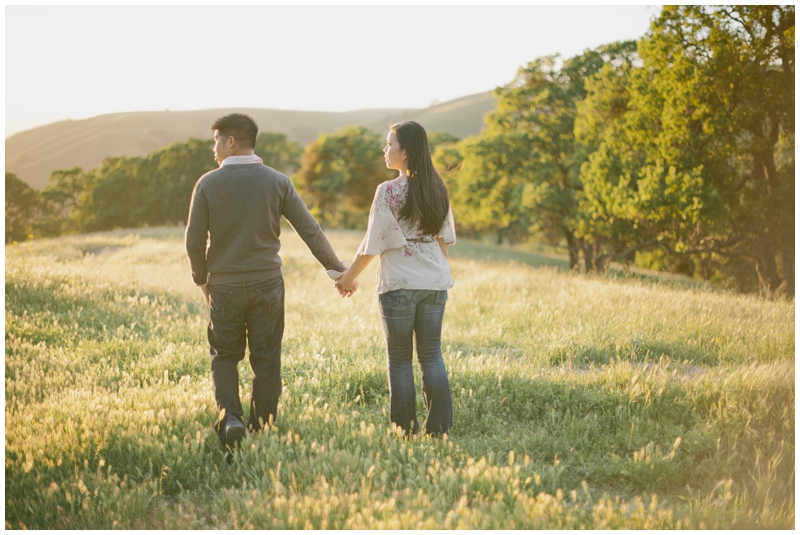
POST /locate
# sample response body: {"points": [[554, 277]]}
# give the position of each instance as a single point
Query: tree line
{"points": [[336, 175], [125, 192], [674, 152]]}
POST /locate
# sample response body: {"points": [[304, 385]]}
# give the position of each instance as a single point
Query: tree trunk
{"points": [[602, 262], [511, 236], [588, 257], [787, 256], [772, 238], [572, 247], [766, 267]]}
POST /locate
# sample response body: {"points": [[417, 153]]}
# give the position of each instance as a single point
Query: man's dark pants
{"points": [[246, 314]]}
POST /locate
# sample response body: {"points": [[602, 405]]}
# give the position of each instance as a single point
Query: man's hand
{"points": [[204, 288]]}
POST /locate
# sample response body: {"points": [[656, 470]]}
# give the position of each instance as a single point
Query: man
{"points": [[232, 240]]}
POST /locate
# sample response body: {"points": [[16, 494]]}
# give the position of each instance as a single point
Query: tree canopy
{"points": [[674, 152], [339, 173], [22, 208]]}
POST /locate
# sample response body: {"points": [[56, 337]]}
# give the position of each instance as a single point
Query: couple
{"points": [[232, 241]]}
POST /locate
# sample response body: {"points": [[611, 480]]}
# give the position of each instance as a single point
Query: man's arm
{"points": [[294, 209], [197, 236]]}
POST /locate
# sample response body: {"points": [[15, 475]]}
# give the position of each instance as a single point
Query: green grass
{"points": [[596, 402]]}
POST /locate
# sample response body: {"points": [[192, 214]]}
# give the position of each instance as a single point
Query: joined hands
{"points": [[345, 286]]}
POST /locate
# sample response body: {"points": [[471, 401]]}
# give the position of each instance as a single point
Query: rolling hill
{"points": [[34, 153]]}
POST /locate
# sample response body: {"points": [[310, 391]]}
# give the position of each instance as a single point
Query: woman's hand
{"points": [[345, 285]]}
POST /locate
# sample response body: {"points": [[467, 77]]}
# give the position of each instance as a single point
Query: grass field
{"points": [[578, 401]]}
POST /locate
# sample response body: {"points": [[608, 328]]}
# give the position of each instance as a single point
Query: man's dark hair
{"points": [[239, 125]]}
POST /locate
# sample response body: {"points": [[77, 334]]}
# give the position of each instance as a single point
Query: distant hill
{"points": [[34, 153]]}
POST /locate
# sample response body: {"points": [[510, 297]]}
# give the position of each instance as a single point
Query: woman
{"points": [[410, 227]]}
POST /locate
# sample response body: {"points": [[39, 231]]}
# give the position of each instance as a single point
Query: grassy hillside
{"points": [[461, 117], [33, 154], [578, 402]]}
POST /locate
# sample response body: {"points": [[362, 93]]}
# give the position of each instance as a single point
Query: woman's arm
{"points": [[347, 282], [442, 245]]}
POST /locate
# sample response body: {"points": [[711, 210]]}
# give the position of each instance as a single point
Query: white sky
{"points": [[77, 62]]}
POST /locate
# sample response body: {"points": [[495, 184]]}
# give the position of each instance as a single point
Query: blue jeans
{"points": [[246, 313], [404, 315]]}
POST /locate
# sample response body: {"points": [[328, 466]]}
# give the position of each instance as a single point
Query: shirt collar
{"points": [[239, 160]]}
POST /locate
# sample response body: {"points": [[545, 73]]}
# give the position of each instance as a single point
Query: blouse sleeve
{"points": [[448, 232], [383, 232]]}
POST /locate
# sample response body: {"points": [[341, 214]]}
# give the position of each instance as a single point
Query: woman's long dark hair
{"points": [[427, 203]]}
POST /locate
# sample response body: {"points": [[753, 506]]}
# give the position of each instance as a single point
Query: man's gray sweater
{"points": [[233, 233]]}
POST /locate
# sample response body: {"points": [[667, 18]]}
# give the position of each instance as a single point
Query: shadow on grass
{"points": [[603, 434], [495, 253], [641, 352], [588, 430], [123, 459], [93, 314], [595, 355], [124, 338], [593, 427]]}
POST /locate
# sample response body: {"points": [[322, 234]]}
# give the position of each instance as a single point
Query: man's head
{"points": [[234, 134]]}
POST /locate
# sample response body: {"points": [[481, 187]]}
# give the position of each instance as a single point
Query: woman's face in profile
{"points": [[393, 154]]}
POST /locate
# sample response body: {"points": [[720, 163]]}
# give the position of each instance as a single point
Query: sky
{"points": [[81, 61]]}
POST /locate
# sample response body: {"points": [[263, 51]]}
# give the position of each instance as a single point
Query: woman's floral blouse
{"points": [[409, 259]]}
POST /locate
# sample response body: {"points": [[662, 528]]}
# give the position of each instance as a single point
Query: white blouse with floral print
{"points": [[409, 259]]}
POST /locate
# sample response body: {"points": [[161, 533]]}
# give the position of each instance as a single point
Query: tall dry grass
{"points": [[578, 402]]}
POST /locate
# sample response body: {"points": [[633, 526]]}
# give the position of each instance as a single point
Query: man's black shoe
{"points": [[234, 432]]}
